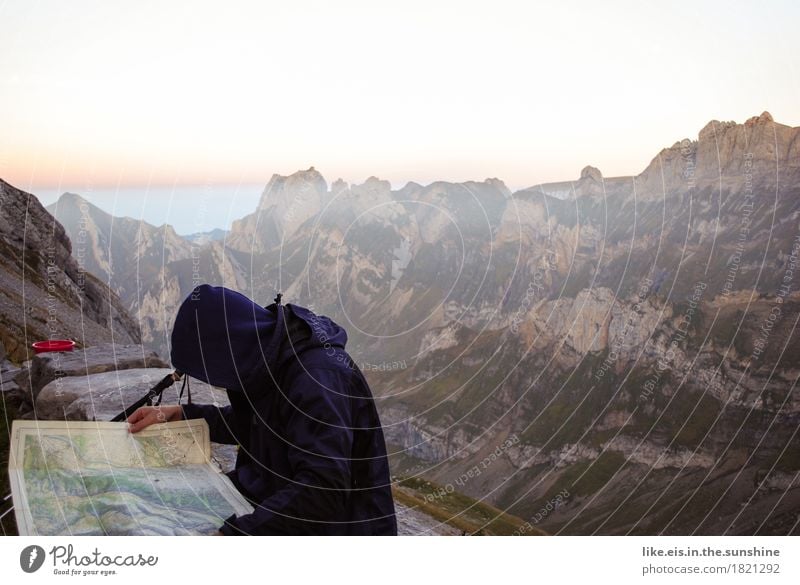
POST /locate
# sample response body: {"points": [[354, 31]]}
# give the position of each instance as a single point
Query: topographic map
{"points": [[95, 478]]}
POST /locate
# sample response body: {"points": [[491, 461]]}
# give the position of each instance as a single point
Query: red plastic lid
{"points": [[53, 345]]}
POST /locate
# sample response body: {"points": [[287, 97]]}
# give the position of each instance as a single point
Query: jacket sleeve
{"points": [[220, 421], [319, 438]]}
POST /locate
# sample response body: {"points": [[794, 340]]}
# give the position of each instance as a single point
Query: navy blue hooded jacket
{"points": [[312, 457]]}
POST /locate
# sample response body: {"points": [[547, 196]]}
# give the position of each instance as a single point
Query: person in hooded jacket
{"points": [[312, 457]]}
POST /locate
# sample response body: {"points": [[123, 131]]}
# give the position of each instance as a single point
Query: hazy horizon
{"points": [[145, 202], [189, 209]]}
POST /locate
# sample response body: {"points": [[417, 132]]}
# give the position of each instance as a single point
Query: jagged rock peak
{"points": [[373, 180], [280, 187], [409, 191], [715, 128], [764, 118], [711, 130], [310, 174], [339, 185], [590, 172], [68, 196], [498, 184], [723, 149], [373, 187]]}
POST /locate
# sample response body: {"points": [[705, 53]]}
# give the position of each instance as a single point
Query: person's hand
{"points": [[150, 415]]}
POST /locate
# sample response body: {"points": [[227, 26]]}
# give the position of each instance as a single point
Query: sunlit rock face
{"points": [[45, 292]]}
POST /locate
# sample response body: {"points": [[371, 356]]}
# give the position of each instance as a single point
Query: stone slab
{"points": [[46, 367], [104, 395]]}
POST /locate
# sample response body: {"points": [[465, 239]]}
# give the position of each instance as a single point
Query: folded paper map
{"points": [[95, 478]]}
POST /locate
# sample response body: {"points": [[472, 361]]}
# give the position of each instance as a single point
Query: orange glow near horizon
{"points": [[151, 94]]}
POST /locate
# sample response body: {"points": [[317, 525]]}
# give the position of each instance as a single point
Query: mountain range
{"points": [[603, 355], [44, 291]]}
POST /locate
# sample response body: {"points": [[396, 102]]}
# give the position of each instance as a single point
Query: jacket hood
{"points": [[225, 339]]}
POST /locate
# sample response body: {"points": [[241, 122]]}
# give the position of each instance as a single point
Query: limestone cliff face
{"points": [[151, 268], [158, 297], [287, 202], [596, 320], [44, 292], [134, 258], [722, 156], [119, 250]]}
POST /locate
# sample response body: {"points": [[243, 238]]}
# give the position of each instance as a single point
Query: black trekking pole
{"points": [[153, 395]]}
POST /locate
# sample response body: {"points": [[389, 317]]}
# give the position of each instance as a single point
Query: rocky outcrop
{"points": [[44, 291], [414, 522], [47, 367], [286, 203], [594, 321], [590, 173], [723, 155], [118, 250], [103, 395], [589, 184], [635, 451], [152, 269], [97, 383], [8, 373], [142, 263]]}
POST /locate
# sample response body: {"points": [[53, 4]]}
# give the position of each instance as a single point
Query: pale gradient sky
{"points": [[98, 94]]}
